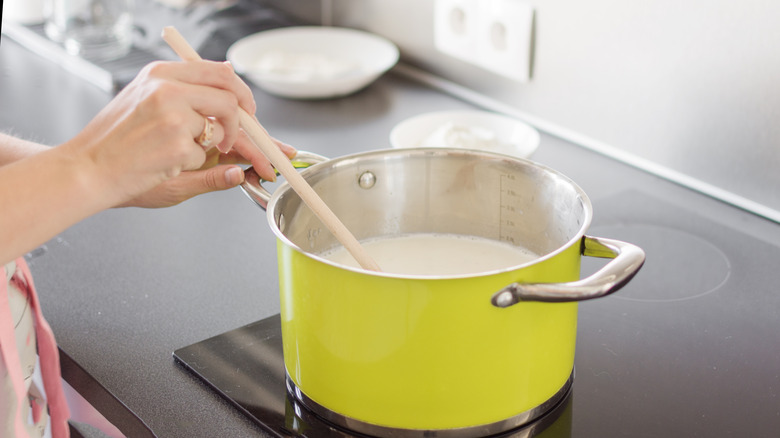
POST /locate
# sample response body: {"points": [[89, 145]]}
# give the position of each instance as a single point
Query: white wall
{"points": [[692, 85]]}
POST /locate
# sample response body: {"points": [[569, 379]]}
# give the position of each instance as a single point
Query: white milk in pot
{"points": [[431, 254]]}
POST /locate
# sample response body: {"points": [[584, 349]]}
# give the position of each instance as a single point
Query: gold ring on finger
{"points": [[207, 136]]}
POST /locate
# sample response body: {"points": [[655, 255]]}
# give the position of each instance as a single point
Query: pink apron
{"points": [[48, 356]]}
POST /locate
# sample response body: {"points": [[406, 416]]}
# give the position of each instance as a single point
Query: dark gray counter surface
{"points": [[125, 288]]}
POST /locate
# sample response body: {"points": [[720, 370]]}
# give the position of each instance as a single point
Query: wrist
{"points": [[95, 184]]}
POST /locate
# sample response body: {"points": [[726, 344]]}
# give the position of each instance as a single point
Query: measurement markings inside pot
{"points": [[510, 215]]}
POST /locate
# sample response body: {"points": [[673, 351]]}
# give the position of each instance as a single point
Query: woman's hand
{"points": [[147, 136], [219, 172]]}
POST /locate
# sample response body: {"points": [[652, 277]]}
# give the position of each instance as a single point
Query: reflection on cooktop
{"points": [[245, 366]]}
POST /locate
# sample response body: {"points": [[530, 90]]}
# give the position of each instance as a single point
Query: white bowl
{"points": [[480, 130], [311, 62]]}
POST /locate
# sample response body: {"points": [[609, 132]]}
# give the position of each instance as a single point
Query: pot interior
{"points": [[393, 192]]}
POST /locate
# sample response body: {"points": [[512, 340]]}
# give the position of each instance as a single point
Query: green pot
{"points": [[465, 355]]}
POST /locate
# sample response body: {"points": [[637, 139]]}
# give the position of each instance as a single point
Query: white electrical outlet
{"points": [[454, 24], [496, 35]]}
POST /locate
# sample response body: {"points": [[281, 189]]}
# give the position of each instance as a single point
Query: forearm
{"points": [[42, 195], [14, 148]]}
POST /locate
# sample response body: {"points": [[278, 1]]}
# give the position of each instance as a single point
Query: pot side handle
{"points": [[628, 258], [253, 184]]}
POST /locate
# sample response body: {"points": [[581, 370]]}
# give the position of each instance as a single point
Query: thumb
{"points": [[195, 182], [215, 178], [187, 185]]}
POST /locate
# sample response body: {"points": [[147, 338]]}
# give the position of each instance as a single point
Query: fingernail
{"points": [[234, 176], [290, 149], [229, 64], [269, 170]]}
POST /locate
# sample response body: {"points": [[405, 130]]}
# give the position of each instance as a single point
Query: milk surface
{"points": [[431, 254]]}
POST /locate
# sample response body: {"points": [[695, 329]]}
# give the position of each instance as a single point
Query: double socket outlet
{"points": [[497, 35]]}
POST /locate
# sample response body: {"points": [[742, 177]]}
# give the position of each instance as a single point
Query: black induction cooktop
{"points": [[245, 366], [690, 348]]}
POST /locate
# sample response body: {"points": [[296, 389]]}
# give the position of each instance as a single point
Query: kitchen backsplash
{"points": [[688, 87]]}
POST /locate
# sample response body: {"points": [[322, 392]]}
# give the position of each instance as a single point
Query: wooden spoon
{"points": [[263, 141]]}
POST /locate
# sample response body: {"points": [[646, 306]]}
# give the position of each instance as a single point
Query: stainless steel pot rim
{"points": [[518, 421], [348, 160]]}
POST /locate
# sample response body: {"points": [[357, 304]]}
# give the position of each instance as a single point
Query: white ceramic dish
{"points": [[481, 130], [311, 62]]}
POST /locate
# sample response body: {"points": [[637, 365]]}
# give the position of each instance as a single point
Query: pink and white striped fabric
{"points": [[18, 398]]}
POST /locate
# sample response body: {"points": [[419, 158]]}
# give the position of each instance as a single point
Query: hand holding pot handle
{"points": [[628, 259]]}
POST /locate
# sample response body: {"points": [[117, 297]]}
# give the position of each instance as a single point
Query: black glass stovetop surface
{"points": [[690, 348], [252, 378]]}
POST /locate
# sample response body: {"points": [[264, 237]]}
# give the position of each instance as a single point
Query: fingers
{"points": [[200, 89], [245, 98], [213, 74], [247, 149], [212, 89], [288, 150], [206, 139], [220, 107]]}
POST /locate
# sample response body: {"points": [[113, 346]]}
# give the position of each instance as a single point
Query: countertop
{"points": [[125, 288]]}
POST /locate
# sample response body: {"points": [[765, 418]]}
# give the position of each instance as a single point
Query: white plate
{"points": [[311, 62], [481, 130]]}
